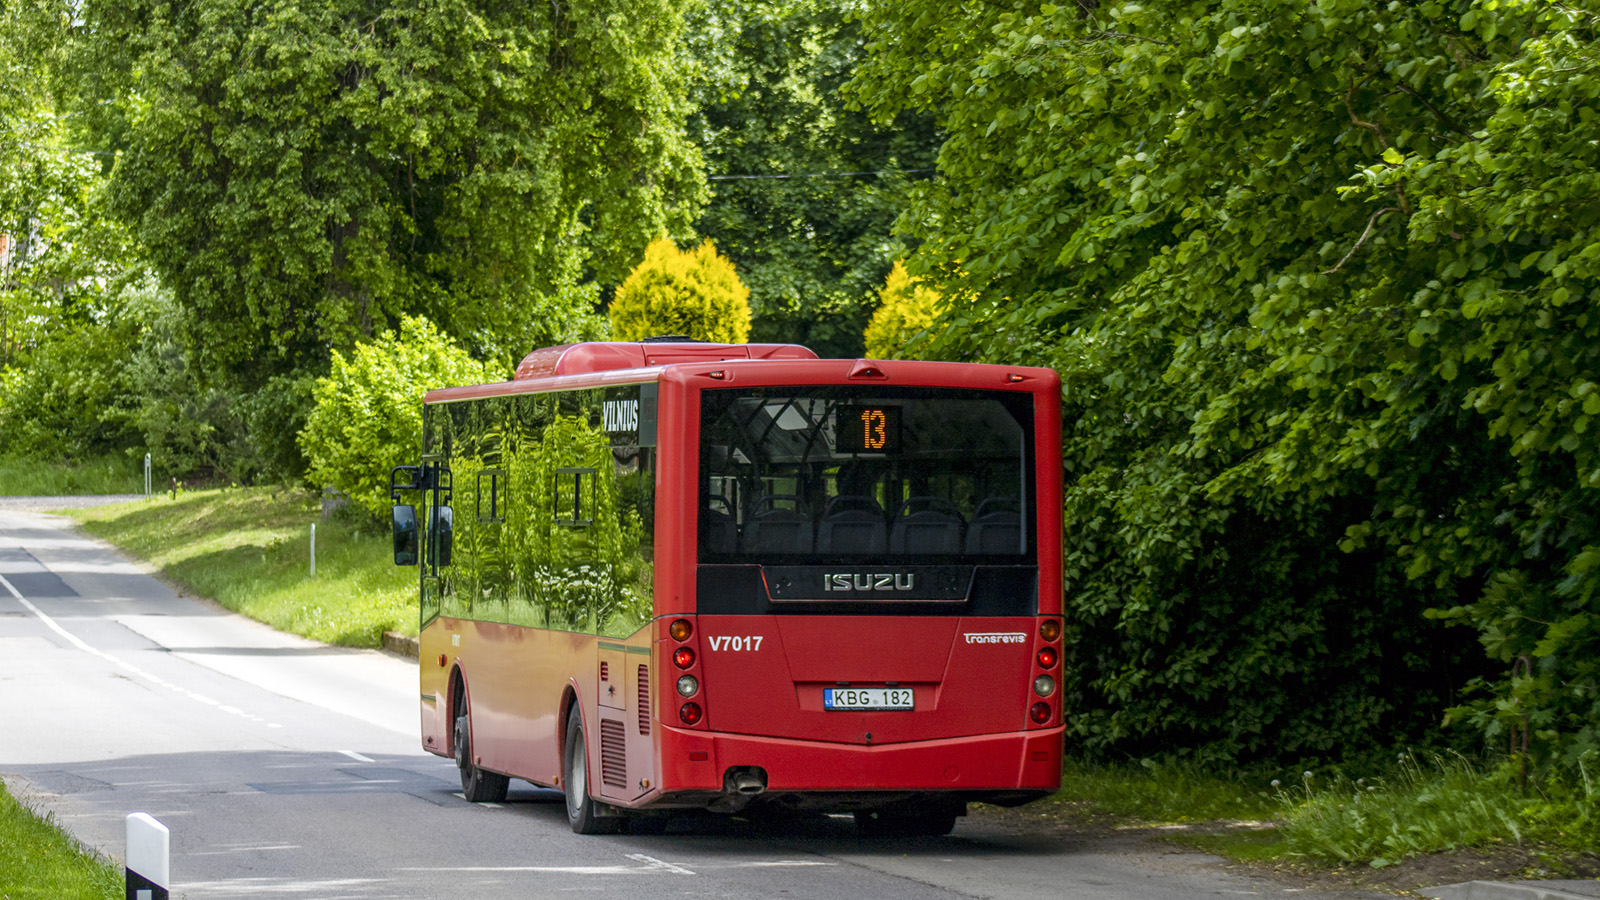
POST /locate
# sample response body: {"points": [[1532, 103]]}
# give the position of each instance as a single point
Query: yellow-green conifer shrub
{"points": [[908, 307], [695, 293]]}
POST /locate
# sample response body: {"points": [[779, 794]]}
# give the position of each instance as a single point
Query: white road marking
{"points": [[121, 664], [485, 805], [236, 887], [356, 756], [777, 863], [660, 864], [562, 870], [71, 638], [245, 848], [652, 866]]}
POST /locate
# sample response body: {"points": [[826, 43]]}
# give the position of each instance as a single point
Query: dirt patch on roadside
{"points": [[1448, 867], [1076, 822]]}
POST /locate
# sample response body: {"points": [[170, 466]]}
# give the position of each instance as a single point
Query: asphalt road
{"points": [[286, 768]]}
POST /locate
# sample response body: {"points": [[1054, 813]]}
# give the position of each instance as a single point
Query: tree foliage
{"points": [[64, 257], [907, 307], [68, 398], [770, 114], [366, 416], [694, 293], [303, 173], [1321, 281]]}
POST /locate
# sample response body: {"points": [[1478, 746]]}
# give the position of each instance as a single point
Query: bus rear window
{"points": [[813, 474]]}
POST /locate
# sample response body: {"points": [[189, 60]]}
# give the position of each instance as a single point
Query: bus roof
{"points": [[604, 356]]}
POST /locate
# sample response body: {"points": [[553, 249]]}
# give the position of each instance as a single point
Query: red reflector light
{"points": [[690, 713], [1039, 713], [1047, 658], [680, 629], [698, 756], [683, 657], [718, 375], [1049, 629], [1013, 378]]}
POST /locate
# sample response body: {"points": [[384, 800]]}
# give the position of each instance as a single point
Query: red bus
{"points": [[677, 575]]}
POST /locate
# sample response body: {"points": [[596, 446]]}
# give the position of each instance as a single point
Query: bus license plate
{"points": [[868, 698]]}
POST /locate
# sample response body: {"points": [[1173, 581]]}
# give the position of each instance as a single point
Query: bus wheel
{"points": [[908, 819], [477, 785], [583, 813]]}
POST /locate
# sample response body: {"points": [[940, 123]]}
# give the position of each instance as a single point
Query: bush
{"points": [[908, 308], [67, 399], [366, 415], [697, 294]]}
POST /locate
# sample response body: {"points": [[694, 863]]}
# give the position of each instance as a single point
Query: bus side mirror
{"points": [[405, 535], [444, 531]]}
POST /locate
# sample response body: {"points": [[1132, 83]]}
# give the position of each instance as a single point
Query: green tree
{"points": [[66, 268], [302, 174], [907, 308], [769, 114], [64, 260], [367, 412], [695, 293], [1320, 280]]}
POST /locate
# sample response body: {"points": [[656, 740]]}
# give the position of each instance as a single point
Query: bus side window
{"points": [[491, 489], [574, 497]]}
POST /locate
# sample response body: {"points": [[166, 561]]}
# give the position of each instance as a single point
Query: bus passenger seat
{"points": [[851, 523], [722, 534], [926, 525], [996, 527], [774, 529]]}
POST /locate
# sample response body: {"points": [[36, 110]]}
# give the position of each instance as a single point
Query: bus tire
{"points": [[583, 814], [477, 785]]}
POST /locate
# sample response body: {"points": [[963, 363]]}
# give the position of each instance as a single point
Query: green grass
{"points": [[1413, 807], [33, 478], [249, 550], [1164, 793], [38, 861], [1441, 803]]}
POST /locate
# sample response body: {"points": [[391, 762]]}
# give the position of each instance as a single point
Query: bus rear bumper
{"points": [[1027, 761]]}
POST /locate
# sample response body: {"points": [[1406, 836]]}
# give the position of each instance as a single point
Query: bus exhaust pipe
{"points": [[740, 785], [748, 783]]}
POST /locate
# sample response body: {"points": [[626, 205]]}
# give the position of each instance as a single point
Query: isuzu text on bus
{"points": [[738, 578]]}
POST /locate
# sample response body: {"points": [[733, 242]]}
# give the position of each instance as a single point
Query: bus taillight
{"points": [[1039, 712], [680, 629], [690, 713], [1047, 658], [1044, 685], [1049, 629], [687, 685], [683, 657]]}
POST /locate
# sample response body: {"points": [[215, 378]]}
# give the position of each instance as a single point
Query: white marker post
{"points": [[313, 549], [147, 474], [146, 863]]}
